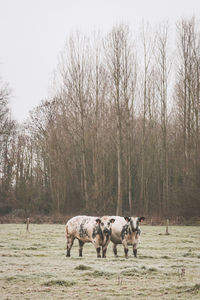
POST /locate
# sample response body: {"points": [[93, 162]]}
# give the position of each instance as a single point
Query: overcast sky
{"points": [[33, 32]]}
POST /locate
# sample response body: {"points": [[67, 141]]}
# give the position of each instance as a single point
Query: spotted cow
{"points": [[89, 230], [126, 231]]}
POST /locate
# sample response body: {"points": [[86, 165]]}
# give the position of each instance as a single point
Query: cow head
{"points": [[104, 229], [105, 224], [134, 223]]}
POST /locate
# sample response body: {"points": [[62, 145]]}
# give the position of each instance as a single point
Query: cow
{"points": [[89, 229], [126, 231]]}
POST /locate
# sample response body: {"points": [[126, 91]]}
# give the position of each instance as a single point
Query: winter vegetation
{"points": [[121, 133]]}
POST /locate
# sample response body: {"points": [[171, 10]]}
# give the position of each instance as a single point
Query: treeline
{"points": [[121, 135]]}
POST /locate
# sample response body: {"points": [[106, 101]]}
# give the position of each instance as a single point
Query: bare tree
{"points": [[7, 130], [122, 83], [76, 72], [162, 85], [148, 48]]}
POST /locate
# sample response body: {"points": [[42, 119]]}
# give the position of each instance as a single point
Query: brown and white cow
{"points": [[126, 231], [89, 230]]}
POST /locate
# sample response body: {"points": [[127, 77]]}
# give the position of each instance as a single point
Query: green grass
{"points": [[34, 265]]}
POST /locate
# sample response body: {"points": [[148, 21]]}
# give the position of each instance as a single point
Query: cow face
{"points": [[103, 229], [106, 225], [134, 223]]}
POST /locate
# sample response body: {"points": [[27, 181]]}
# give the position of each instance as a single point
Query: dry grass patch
{"points": [[65, 283], [82, 268]]}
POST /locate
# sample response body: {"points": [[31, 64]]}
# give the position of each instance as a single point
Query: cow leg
{"points": [[135, 250], [115, 250], [81, 244], [98, 249], [97, 246], [70, 241], [125, 244], [104, 249]]}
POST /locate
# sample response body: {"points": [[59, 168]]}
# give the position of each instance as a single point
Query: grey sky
{"points": [[33, 32]]}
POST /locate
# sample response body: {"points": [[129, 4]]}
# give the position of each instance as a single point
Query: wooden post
{"points": [[27, 224], [167, 231]]}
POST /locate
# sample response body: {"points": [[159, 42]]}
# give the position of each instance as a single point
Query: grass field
{"points": [[33, 266]]}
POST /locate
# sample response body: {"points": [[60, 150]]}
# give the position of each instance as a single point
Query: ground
{"points": [[33, 265]]}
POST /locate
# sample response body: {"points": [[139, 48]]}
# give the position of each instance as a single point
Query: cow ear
{"points": [[98, 221], [112, 220], [127, 219], [141, 219]]}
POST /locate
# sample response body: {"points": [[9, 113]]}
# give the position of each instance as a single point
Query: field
{"points": [[33, 266]]}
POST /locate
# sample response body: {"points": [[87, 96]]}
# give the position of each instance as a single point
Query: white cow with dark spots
{"points": [[126, 231], [89, 230]]}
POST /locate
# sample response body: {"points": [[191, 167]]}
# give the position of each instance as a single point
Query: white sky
{"points": [[33, 32]]}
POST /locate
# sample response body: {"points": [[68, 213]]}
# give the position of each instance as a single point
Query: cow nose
{"points": [[106, 230]]}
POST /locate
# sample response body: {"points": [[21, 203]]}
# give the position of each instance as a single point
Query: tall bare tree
{"points": [[120, 68], [76, 72], [162, 85]]}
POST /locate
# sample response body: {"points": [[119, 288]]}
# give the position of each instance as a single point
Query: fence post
{"points": [[167, 230], [27, 224]]}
